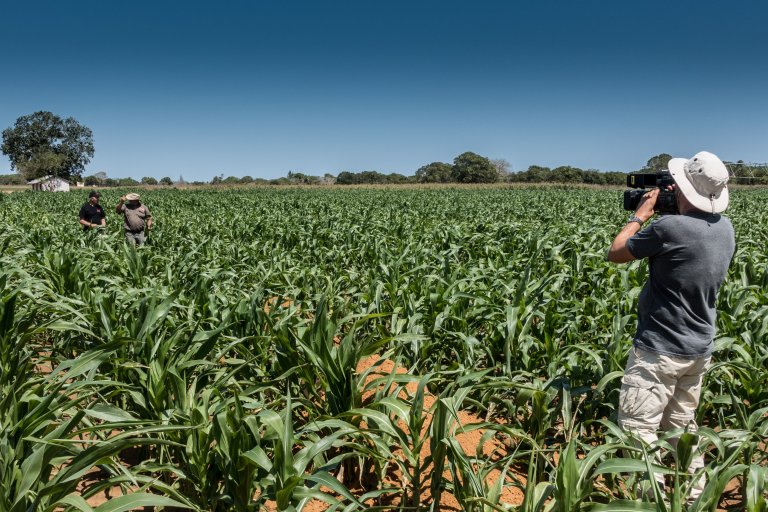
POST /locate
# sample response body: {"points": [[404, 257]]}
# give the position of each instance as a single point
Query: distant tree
{"points": [[11, 179], [328, 179], [246, 179], [231, 180], [436, 172], [658, 163], [97, 179], [538, 174], [43, 144], [472, 168], [165, 180], [347, 178], [566, 174], [503, 168], [299, 178], [372, 178], [366, 178], [396, 178], [593, 177], [126, 182], [148, 180], [615, 178]]}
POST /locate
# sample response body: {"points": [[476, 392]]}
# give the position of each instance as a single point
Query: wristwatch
{"points": [[637, 219]]}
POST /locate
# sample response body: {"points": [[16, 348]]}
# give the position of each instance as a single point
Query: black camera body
{"points": [[637, 182]]}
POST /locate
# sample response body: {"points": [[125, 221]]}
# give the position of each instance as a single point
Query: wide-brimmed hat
{"points": [[702, 179], [132, 197]]}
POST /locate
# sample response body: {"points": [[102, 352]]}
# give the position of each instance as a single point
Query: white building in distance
{"points": [[50, 184]]}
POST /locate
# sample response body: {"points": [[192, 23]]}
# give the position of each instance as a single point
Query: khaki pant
{"points": [[135, 238], [662, 391]]}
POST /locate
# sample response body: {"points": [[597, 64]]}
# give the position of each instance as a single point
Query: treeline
{"points": [[473, 168], [567, 174], [12, 179], [100, 179], [466, 168]]}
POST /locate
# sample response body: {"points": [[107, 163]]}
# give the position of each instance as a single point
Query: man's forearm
{"points": [[91, 224], [619, 252]]}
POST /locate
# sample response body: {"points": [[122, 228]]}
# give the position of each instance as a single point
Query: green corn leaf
{"points": [[136, 500]]}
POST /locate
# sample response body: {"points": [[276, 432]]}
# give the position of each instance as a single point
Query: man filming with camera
{"points": [[688, 257]]}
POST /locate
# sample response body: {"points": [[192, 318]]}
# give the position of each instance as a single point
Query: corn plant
{"points": [[184, 351]]}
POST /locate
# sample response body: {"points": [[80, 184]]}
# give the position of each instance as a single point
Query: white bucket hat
{"points": [[703, 180], [132, 197]]}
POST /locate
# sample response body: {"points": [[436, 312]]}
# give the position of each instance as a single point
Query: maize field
{"points": [[219, 366]]}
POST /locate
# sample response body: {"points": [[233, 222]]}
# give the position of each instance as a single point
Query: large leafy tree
{"points": [[538, 174], [472, 168], [43, 143], [658, 163], [436, 172], [567, 174]]}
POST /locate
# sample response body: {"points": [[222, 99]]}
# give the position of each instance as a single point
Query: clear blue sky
{"points": [[263, 87]]}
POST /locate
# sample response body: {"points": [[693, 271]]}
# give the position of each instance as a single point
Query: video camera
{"points": [[666, 202]]}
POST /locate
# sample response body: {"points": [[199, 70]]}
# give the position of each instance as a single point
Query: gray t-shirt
{"points": [[688, 257], [135, 217]]}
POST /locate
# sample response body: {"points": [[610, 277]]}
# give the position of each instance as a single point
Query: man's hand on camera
{"points": [[647, 204]]}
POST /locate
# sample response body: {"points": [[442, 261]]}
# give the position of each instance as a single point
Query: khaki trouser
{"points": [[662, 391], [135, 238]]}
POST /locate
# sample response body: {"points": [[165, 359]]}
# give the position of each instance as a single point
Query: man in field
{"points": [[137, 218], [91, 213], [688, 258]]}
